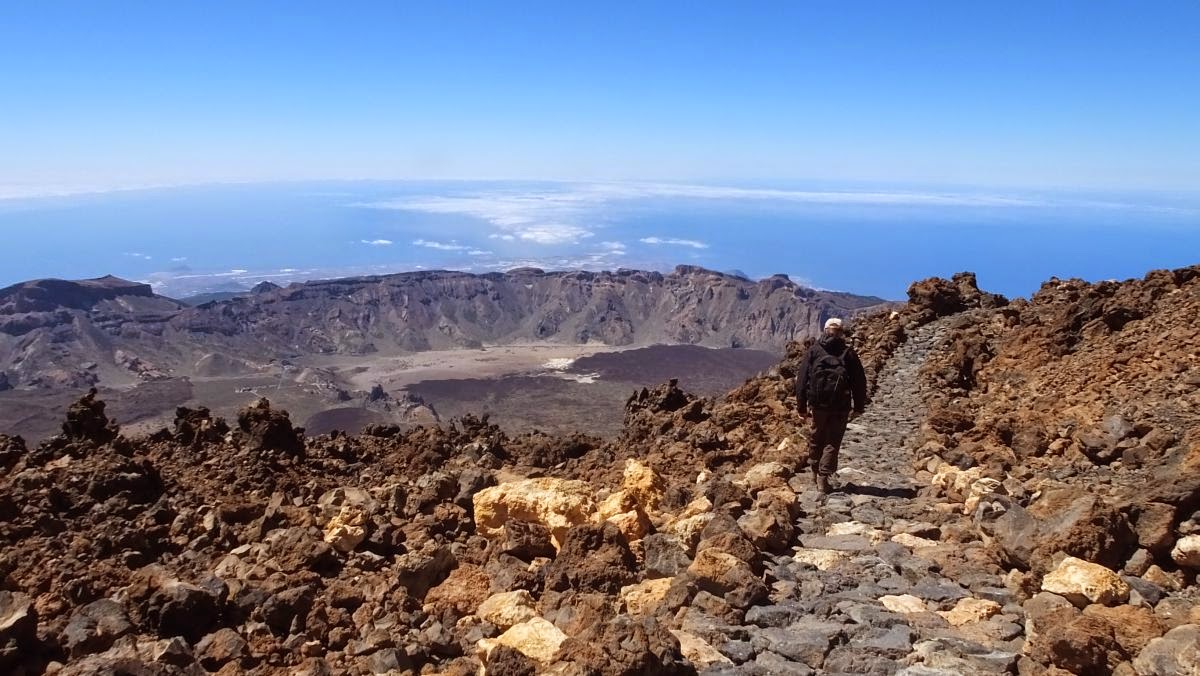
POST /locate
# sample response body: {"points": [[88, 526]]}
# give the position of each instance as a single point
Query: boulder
{"points": [[663, 555], [724, 574], [18, 626], [644, 485], [1081, 644], [1186, 551], [593, 557], [903, 603], [463, 590], [1177, 653], [507, 609], [95, 627], [1067, 520], [220, 648], [557, 504], [270, 430], [347, 529], [645, 597], [766, 475], [1154, 523], [536, 639], [821, 559], [1134, 628], [527, 541], [970, 610], [699, 652], [1082, 582]]}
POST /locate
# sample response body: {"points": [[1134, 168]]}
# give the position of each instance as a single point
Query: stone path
{"points": [[871, 588], [876, 452]]}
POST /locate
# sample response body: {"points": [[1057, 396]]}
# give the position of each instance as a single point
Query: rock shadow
{"points": [[880, 491]]}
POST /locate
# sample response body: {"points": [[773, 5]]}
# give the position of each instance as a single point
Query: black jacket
{"points": [[858, 377]]}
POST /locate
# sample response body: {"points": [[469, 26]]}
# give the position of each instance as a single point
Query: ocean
{"points": [[863, 239]]}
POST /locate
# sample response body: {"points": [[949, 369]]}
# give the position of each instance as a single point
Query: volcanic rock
{"points": [[536, 638], [593, 557], [270, 430], [1187, 551], [1081, 583], [95, 627], [507, 608], [557, 504]]}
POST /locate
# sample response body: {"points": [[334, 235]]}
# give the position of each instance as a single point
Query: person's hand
{"points": [[855, 413], [803, 411]]}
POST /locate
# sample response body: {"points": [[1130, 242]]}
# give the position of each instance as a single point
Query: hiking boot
{"points": [[823, 484]]}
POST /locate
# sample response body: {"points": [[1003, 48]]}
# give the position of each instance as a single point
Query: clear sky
{"points": [[1040, 94]]}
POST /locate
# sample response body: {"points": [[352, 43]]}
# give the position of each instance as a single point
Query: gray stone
{"points": [[95, 627], [664, 555], [965, 656], [933, 589], [873, 615], [842, 543], [771, 664], [1175, 654], [738, 651], [848, 660], [774, 616], [1148, 591], [895, 641], [387, 661], [806, 642]]}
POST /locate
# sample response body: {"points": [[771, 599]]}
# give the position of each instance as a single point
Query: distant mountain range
{"points": [[56, 333]]}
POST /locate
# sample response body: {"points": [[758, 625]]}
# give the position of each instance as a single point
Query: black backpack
{"points": [[829, 380]]}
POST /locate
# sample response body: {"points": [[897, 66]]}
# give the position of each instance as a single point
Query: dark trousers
{"points": [[828, 428]]}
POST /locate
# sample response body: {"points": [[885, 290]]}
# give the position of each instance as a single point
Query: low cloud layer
{"points": [[674, 241]]}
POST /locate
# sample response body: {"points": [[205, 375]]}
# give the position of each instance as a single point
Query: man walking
{"points": [[832, 383]]}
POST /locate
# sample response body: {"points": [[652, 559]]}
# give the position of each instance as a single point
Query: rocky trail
{"points": [[866, 589]]}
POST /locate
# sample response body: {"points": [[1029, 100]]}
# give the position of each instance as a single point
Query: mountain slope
{"points": [[59, 333]]}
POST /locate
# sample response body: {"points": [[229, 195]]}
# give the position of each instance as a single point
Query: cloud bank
{"points": [[694, 243]]}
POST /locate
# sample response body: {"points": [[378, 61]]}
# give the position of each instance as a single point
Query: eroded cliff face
{"points": [[78, 333]]}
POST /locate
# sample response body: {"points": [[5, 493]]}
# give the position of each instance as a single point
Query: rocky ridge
{"points": [[55, 333], [693, 543]]}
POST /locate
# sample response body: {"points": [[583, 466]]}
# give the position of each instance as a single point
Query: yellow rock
{"points": [[970, 610], [765, 475], [537, 639], [697, 651], [557, 504], [978, 491], [634, 524], [822, 559], [643, 598], [1082, 582], [643, 484], [617, 503], [1169, 581], [345, 531], [701, 505], [713, 564], [912, 541], [688, 530], [507, 609], [903, 603]]}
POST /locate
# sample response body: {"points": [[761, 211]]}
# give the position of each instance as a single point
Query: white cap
{"points": [[833, 323]]}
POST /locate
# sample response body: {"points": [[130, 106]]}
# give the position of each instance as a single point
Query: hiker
{"points": [[832, 383]]}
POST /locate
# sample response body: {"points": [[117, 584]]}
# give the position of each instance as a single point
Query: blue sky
{"points": [[1024, 94]]}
